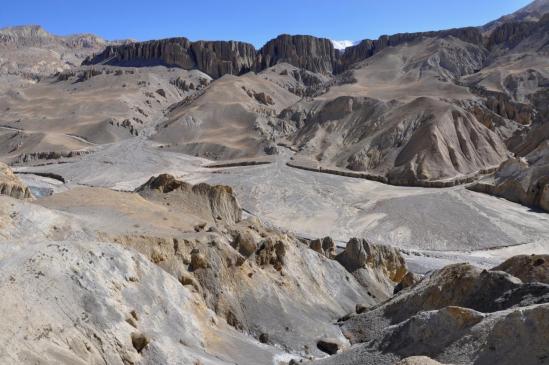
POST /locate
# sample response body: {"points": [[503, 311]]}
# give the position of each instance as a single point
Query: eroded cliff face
{"points": [[229, 57], [217, 58], [303, 51], [510, 34], [368, 47]]}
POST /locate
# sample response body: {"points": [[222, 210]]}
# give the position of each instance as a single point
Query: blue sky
{"points": [[252, 21]]}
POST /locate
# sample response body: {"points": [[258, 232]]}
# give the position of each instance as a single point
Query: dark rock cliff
{"points": [[303, 51], [369, 47], [217, 58], [510, 34]]}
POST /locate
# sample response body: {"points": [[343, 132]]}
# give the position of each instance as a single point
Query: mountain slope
{"points": [[31, 51], [410, 108]]}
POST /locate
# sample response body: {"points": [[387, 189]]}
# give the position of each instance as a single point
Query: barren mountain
{"points": [[205, 202], [32, 52], [428, 93], [77, 109]]}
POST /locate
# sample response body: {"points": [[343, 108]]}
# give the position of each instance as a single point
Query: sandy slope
{"points": [[104, 107]]}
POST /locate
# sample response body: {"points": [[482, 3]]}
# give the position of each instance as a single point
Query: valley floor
{"points": [[435, 226]]}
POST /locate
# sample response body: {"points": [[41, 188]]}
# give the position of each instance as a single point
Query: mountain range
{"points": [[313, 201]]}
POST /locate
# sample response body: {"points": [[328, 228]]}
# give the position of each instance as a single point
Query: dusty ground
{"points": [[437, 225]]}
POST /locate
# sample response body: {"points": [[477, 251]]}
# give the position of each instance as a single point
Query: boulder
{"points": [[329, 345], [407, 281], [377, 267], [359, 253], [198, 260], [324, 246], [271, 252], [139, 341], [263, 98], [528, 268], [245, 242]]}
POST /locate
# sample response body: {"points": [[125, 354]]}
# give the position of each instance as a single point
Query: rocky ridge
{"points": [[255, 280], [318, 55], [217, 58], [461, 86], [367, 47], [32, 52], [453, 308], [522, 179]]}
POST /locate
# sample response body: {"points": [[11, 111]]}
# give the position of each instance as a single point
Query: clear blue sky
{"points": [[252, 21]]}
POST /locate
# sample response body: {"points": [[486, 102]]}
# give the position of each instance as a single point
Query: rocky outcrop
{"points": [[303, 51], [507, 337], [271, 252], [457, 307], [10, 184], [216, 58], [377, 267], [504, 106], [32, 52], [27, 158], [528, 268], [368, 47], [510, 34], [522, 180], [216, 202], [461, 285], [531, 12], [324, 246], [36, 36]]}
